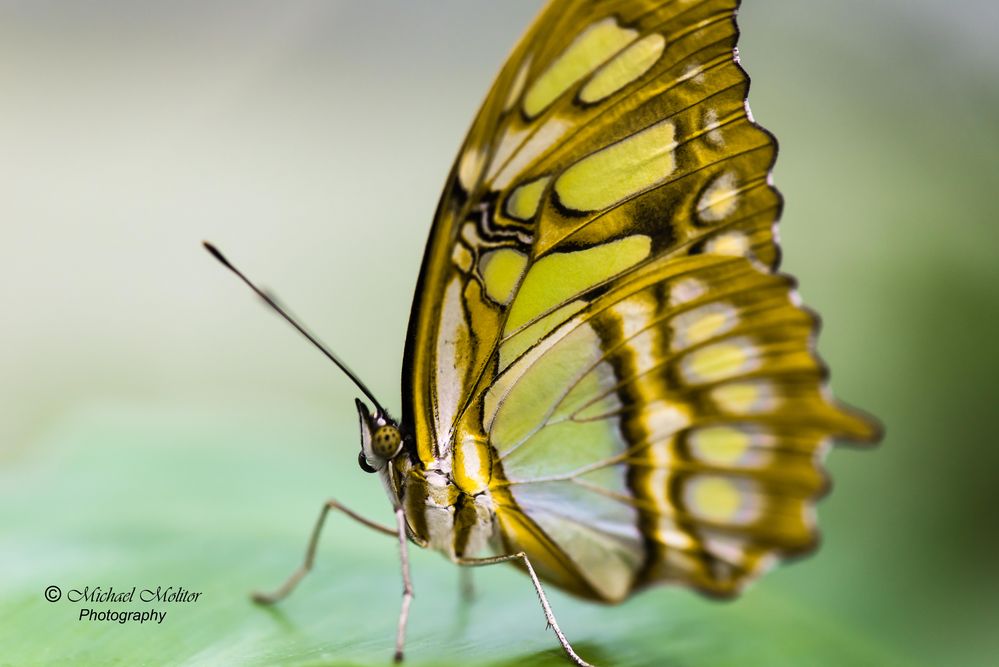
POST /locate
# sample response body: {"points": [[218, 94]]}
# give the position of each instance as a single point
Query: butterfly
{"points": [[606, 380]]}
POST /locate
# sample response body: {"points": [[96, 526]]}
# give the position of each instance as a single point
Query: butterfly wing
{"points": [[599, 304]]}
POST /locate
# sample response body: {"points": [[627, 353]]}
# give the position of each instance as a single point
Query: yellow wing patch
{"points": [[721, 446], [559, 276], [733, 244], [626, 67], [523, 202], [746, 397], [619, 171], [719, 361], [501, 271], [701, 324], [587, 52], [718, 499]]}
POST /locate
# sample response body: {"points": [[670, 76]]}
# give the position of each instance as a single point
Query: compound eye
{"points": [[385, 441], [363, 462]]}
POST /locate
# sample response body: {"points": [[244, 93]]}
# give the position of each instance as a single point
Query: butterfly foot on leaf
{"points": [[261, 598]]}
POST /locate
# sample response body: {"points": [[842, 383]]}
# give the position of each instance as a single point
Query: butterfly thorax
{"points": [[445, 496], [444, 506]]}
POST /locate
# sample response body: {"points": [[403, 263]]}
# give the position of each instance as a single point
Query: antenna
{"points": [[301, 329]]}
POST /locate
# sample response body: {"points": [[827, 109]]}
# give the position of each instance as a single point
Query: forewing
{"points": [[586, 76]]}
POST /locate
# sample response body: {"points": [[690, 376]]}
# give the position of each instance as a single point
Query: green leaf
{"points": [[222, 503]]}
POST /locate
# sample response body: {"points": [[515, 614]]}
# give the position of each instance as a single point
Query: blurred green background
{"points": [[159, 427]]}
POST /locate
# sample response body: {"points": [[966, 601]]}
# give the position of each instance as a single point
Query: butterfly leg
{"points": [[549, 616], [407, 584], [310, 553]]}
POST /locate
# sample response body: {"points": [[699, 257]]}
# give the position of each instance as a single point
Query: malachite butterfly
{"points": [[606, 380]]}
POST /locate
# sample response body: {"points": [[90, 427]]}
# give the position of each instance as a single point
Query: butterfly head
{"points": [[381, 440]]}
